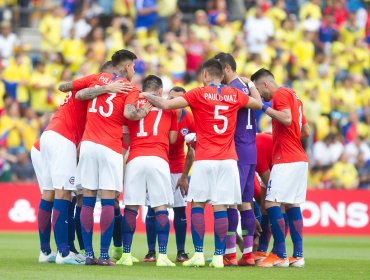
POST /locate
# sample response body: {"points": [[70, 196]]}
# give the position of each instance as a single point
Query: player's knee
{"points": [[62, 194], [89, 193], [107, 194], [160, 208], [48, 195]]}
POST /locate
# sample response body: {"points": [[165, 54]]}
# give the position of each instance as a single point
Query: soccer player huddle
{"points": [[106, 121]]}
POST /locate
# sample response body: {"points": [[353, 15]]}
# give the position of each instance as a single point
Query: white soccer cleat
{"points": [[70, 259], [163, 260], [47, 258], [296, 262], [80, 256], [125, 260], [196, 261], [217, 261]]}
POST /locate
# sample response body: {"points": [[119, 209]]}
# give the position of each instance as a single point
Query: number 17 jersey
{"points": [[149, 136]]}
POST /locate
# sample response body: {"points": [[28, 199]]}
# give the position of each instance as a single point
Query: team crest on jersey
{"points": [[184, 131], [72, 180]]}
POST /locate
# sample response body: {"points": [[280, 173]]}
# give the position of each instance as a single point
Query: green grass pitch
{"points": [[326, 258]]}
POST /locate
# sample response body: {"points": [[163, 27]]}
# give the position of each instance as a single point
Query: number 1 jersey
{"points": [[215, 111], [105, 118], [149, 136]]}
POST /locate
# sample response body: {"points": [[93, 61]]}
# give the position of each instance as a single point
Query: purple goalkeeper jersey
{"points": [[245, 133]]}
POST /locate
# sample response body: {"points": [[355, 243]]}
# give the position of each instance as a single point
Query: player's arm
{"points": [[133, 114], [165, 104], [253, 104], [66, 87], [252, 88], [305, 131], [283, 116], [183, 182], [91, 93]]}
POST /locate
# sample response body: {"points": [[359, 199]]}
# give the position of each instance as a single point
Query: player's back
{"points": [[264, 151], [176, 151], [105, 114], [70, 118], [287, 145], [215, 112], [150, 135]]}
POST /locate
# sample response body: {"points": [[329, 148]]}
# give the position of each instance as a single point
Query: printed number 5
{"points": [[219, 108]]}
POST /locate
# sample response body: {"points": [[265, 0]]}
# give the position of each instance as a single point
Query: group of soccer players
{"points": [[104, 116]]}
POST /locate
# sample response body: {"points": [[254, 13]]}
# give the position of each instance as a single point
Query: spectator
{"points": [[321, 152], [11, 128], [338, 10], [42, 87], [201, 26], [78, 23], [350, 31], [327, 32], [166, 9], [8, 41], [5, 164], [344, 174], [258, 29], [73, 50], [22, 169], [363, 169], [147, 14], [50, 28], [195, 51], [358, 146]]}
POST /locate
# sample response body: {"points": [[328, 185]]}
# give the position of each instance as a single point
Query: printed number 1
{"points": [[249, 126], [300, 117]]}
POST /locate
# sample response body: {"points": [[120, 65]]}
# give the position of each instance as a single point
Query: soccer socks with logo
{"points": [[128, 228], [151, 235], [162, 228], [117, 235], [278, 230], [286, 221], [296, 230], [180, 225], [71, 225], [78, 227], [106, 226], [87, 224], [233, 218], [44, 224], [248, 222], [265, 235], [197, 228], [60, 224], [220, 231]]}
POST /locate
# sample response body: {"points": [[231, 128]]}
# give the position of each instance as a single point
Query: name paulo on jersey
{"points": [[219, 97]]}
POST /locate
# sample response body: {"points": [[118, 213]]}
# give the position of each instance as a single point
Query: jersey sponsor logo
{"points": [[184, 131], [219, 97]]}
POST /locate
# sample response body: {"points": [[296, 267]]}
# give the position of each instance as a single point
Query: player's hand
{"points": [[119, 87], [258, 229], [147, 107], [183, 184], [245, 80]]}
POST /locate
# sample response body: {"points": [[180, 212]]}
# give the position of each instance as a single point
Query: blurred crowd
{"points": [[319, 48]]}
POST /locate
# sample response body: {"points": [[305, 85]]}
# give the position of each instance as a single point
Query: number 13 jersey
{"points": [[105, 118], [215, 111], [149, 136]]}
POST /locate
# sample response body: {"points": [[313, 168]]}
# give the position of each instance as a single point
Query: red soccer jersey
{"points": [[69, 120], [257, 189], [105, 113], [149, 136], [264, 152], [177, 153], [215, 110], [287, 145], [37, 144]]}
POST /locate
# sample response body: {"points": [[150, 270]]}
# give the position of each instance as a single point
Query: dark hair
{"points": [[261, 73], [213, 67], [152, 82], [178, 89], [226, 58], [121, 56], [106, 65]]}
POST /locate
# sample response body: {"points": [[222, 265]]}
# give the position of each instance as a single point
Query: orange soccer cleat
{"points": [[230, 260], [247, 260], [273, 260], [259, 256]]}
